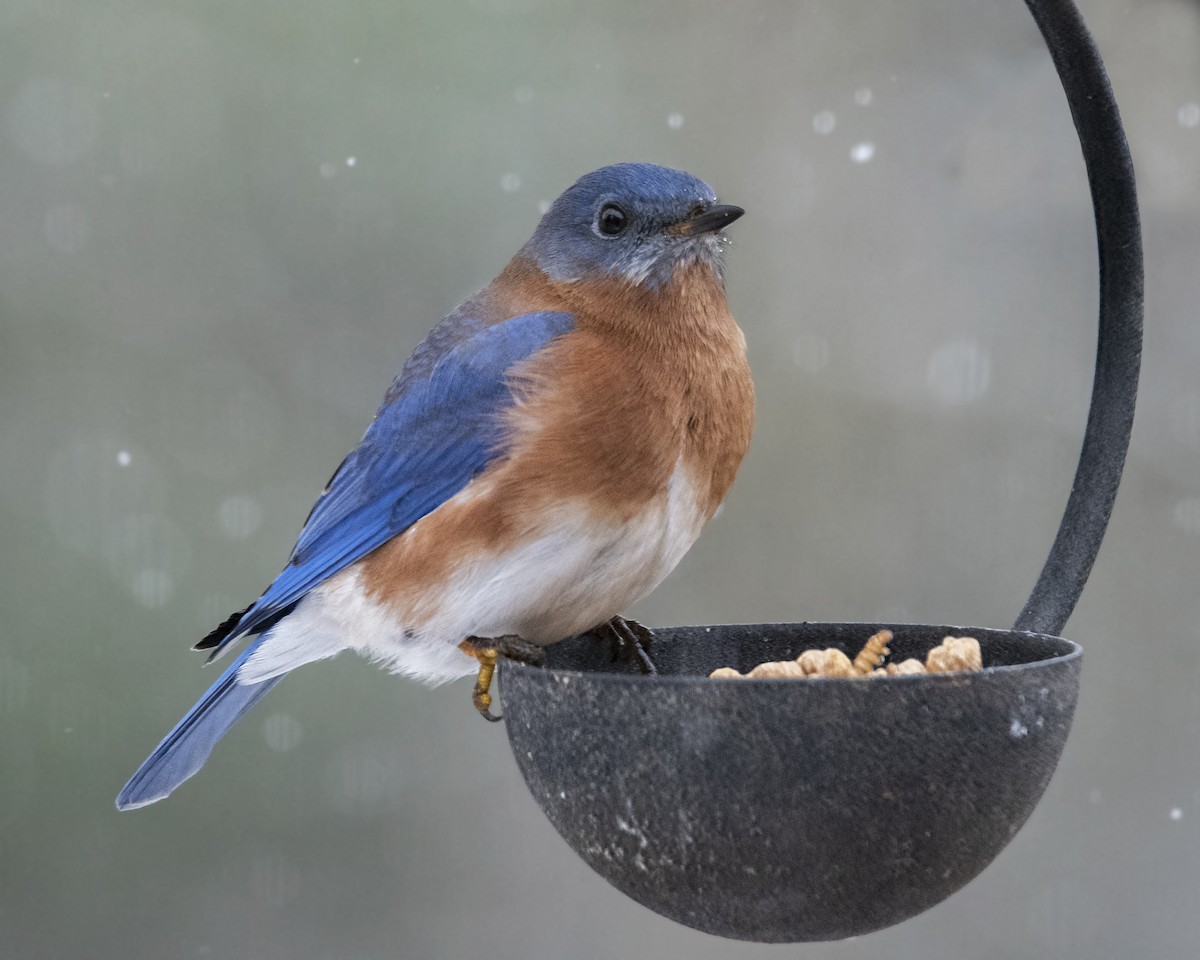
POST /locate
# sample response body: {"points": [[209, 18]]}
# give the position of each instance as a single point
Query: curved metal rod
{"points": [[1119, 348]]}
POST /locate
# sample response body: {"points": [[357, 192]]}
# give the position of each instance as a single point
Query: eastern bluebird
{"points": [[545, 458]]}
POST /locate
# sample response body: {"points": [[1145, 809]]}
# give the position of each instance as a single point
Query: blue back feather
{"points": [[439, 426]]}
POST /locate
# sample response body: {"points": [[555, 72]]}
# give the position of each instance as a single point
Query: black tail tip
{"points": [[218, 635]]}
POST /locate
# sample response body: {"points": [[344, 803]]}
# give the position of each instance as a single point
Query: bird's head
{"points": [[632, 221]]}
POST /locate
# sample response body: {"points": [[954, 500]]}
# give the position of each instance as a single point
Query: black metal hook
{"points": [[1119, 347]]}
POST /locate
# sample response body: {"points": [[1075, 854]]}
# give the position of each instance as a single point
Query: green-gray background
{"points": [[223, 225]]}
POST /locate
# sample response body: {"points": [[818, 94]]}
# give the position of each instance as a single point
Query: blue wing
{"points": [[438, 427]]}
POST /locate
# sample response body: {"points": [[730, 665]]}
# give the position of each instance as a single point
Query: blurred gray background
{"points": [[224, 225]]}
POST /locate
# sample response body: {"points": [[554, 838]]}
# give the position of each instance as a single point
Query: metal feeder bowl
{"points": [[781, 810]]}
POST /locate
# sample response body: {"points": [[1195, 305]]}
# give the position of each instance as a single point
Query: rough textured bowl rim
{"points": [[1074, 651]]}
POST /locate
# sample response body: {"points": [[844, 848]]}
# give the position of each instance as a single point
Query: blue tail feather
{"points": [[184, 750]]}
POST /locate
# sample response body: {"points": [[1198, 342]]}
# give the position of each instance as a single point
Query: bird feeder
{"points": [[780, 810]]}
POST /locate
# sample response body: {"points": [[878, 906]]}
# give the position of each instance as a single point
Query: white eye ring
{"points": [[611, 221]]}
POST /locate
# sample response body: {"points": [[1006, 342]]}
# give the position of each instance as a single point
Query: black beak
{"points": [[716, 217]]}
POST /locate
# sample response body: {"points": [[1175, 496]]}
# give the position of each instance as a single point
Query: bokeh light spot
{"points": [[53, 122], [959, 372], [239, 516]]}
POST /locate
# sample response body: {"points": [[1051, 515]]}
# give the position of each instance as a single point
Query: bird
{"points": [[544, 458]]}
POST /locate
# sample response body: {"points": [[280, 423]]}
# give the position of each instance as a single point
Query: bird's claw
{"points": [[631, 640], [481, 696], [486, 650]]}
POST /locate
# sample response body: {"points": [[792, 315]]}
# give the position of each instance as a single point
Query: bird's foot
{"points": [[629, 639], [486, 650]]}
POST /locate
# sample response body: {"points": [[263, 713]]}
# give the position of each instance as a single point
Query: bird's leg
{"points": [[486, 650], [630, 638]]}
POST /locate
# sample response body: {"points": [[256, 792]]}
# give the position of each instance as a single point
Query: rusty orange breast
{"points": [[648, 380]]}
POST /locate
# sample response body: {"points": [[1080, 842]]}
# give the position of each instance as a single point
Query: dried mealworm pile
{"points": [[952, 655]]}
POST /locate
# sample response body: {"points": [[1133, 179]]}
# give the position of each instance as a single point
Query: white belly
{"points": [[575, 574]]}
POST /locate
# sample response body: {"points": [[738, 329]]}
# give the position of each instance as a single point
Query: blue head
{"points": [[635, 221]]}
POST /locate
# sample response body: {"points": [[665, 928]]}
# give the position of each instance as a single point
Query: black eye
{"points": [[612, 220]]}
